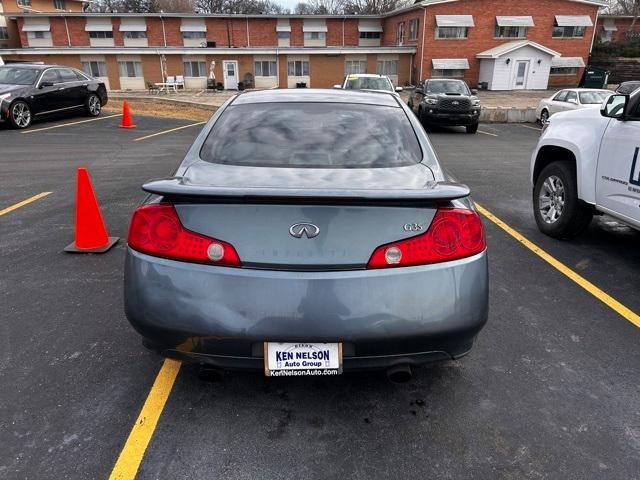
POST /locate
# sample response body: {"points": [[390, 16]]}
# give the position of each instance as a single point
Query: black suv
{"points": [[446, 102]]}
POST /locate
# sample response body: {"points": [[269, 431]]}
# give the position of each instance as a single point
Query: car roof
{"points": [[38, 66], [365, 75], [587, 90], [316, 95]]}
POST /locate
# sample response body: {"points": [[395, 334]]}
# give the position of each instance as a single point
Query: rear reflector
{"points": [[156, 230], [454, 233]]}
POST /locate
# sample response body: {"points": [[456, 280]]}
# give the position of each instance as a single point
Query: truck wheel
{"points": [[472, 128], [558, 211]]}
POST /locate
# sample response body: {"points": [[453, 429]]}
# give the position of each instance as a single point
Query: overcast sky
{"points": [[290, 4]]}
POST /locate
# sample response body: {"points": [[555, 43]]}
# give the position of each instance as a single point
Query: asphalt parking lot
{"points": [[550, 390]]}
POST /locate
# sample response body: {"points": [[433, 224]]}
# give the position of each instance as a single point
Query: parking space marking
{"points": [[487, 133], [23, 203], [605, 298], [530, 127], [168, 131], [132, 453], [34, 130]]}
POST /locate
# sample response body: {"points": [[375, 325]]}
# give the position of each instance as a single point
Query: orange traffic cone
{"points": [[127, 122], [91, 233]]}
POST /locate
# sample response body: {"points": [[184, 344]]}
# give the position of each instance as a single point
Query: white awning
{"points": [[283, 25], [454, 21], [515, 21], [450, 63], [314, 25], [365, 25], [3, 21], [574, 21], [133, 25], [193, 25], [98, 25], [567, 62], [609, 25], [36, 25]]}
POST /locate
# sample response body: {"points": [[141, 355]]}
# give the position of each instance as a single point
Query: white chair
{"points": [[171, 83], [180, 81]]}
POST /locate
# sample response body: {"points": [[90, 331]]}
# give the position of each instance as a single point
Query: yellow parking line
{"points": [[168, 131], [23, 203], [562, 268], [530, 127], [132, 453], [487, 133], [34, 130]]}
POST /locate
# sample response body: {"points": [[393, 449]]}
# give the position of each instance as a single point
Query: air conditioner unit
{"points": [[211, 44]]}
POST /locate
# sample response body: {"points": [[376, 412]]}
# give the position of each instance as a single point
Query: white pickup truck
{"points": [[588, 162]]}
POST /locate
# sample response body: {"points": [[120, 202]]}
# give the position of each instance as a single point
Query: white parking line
{"points": [[530, 127], [70, 124], [168, 131], [487, 133]]}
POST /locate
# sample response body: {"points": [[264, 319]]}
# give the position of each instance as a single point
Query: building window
{"points": [[448, 73], [568, 32], [130, 69], [195, 69], [314, 35], [95, 68], [4, 34], [387, 67], [298, 68], [194, 35], [284, 35], [400, 33], [510, 32], [564, 71], [38, 35], [24, 3], [413, 29], [59, 4], [452, 32], [134, 34], [100, 34], [266, 68], [354, 67], [370, 35]]}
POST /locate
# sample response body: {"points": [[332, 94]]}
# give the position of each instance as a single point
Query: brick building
{"points": [[617, 28], [501, 44]]}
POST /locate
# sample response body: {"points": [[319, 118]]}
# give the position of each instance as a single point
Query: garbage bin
{"points": [[595, 77]]}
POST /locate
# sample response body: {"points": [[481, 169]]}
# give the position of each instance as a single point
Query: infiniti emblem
{"points": [[299, 229]]}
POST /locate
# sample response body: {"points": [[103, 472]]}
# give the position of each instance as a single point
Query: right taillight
{"points": [[156, 230], [454, 233]]}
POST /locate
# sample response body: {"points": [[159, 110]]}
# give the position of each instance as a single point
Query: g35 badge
{"points": [[412, 227]]}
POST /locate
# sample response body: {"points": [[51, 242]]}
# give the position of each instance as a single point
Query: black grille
{"points": [[454, 104]]}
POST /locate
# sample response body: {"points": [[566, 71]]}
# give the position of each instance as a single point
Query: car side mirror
{"points": [[338, 87], [474, 91], [398, 89], [615, 106], [46, 84]]}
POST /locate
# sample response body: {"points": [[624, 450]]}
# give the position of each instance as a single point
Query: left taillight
{"points": [[156, 230], [454, 233]]}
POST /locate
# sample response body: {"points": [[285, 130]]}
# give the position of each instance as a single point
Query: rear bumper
{"points": [[222, 316], [454, 119]]}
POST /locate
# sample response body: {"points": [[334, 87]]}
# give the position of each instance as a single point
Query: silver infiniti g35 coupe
{"points": [[308, 232]]}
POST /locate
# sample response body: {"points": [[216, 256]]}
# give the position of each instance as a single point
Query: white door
{"points": [[618, 184], [521, 74], [230, 69]]}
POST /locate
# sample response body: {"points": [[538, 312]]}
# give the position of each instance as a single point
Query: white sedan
{"points": [[571, 99]]}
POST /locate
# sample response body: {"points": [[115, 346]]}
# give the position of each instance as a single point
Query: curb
{"points": [[508, 115]]}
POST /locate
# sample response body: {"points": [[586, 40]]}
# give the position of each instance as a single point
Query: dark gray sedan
{"points": [[304, 233]]}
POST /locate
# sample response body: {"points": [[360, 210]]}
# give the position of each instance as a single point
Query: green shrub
{"points": [[616, 49]]}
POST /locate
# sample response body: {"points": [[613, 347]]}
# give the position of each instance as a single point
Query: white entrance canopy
{"points": [[509, 47], [455, 21], [515, 21], [450, 63], [574, 21], [567, 62]]}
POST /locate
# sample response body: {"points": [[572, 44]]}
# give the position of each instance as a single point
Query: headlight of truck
{"points": [[476, 103]]}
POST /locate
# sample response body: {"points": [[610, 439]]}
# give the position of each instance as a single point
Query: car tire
{"points": [[558, 211], [472, 128], [423, 122], [93, 105], [544, 116], [20, 115]]}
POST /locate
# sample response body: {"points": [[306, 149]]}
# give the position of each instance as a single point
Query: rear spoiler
{"points": [[431, 191]]}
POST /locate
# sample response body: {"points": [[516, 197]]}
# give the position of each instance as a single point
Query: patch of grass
{"points": [[155, 109]]}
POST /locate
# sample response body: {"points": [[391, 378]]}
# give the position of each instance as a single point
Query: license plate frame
{"points": [[292, 364]]}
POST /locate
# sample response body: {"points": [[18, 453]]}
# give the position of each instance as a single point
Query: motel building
{"points": [[496, 44]]}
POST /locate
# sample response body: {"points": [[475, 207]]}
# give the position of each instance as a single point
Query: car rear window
{"points": [[312, 135], [367, 83]]}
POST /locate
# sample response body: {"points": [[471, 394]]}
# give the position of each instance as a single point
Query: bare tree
{"points": [[175, 6], [373, 7], [238, 6], [626, 7], [320, 7]]}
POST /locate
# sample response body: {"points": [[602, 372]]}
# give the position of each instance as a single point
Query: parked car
{"points": [[307, 231], [446, 102], [570, 99], [30, 90], [627, 88], [588, 162], [368, 81]]}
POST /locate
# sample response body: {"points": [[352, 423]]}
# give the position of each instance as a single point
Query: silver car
{"points": [[308, 232]]}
